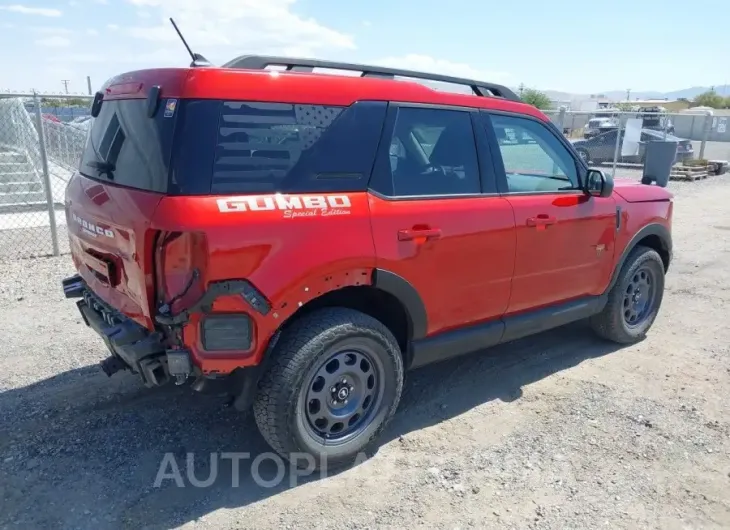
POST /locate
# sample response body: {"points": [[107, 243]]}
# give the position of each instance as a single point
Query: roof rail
{"points": [[260, 62]]}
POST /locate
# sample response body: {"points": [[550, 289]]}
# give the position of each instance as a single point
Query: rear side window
{"points": [[126, 147], [289, 148], [432, 152]]}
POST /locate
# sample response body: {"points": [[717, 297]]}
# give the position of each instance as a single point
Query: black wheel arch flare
{"points": [[653, 229], [402, 289]]}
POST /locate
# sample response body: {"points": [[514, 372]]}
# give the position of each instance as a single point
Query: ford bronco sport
{"points": [[303, 238]]}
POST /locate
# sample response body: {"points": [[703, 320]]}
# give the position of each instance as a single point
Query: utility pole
{"points": [[628, 94], [88, 83], [65, 84]]}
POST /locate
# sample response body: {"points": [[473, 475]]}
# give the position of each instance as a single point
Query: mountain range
{"points": [[620, 95]]}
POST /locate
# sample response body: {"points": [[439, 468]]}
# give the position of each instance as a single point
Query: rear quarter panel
{"points": [[291, 255]]}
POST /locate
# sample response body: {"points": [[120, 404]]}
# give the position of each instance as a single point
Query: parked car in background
{"points": [[655, 118], [597, 126], [601, 148]]}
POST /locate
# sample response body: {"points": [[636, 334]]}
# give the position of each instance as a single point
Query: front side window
{"points": [[535, 160], [432, 152]]}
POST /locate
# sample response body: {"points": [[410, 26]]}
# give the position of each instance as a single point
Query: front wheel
{"points": [[634, 301], [335, 383]]}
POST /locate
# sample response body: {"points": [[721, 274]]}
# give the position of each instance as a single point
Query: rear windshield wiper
{"points": [[104, 168]]}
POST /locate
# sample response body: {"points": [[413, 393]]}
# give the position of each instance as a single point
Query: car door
{"points": [[438, 222], [565, 238]]}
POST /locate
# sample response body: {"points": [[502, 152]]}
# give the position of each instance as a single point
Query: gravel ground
{"points": [[555, 431]]}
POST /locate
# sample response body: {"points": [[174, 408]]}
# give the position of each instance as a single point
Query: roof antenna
{"points": [[198, 60]]}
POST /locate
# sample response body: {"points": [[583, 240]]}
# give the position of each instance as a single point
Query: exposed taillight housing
{"points": [[180, 264]]}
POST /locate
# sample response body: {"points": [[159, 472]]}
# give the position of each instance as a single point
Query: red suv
{"points": [[303, 238]]}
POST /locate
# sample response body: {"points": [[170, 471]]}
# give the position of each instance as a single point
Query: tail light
{"points": [[180, 262]]}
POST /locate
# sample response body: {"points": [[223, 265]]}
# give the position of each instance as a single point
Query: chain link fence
{"points": [[41, 141], [618, 140]]}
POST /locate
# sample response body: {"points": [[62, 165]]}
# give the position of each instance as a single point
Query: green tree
{"points": [[710, 99], [624, 106], [536, 98]]}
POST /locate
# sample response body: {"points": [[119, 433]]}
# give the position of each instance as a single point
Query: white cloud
{"points": [[424, 63], [234, 27], [25, 10], [54, 42], [219, 29]]}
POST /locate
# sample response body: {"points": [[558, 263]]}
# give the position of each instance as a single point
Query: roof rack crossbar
{"points": [[293, 64]]}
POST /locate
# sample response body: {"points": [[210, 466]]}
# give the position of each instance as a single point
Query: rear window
{"points": [[126, 147]]}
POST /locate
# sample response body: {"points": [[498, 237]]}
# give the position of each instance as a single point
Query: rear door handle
{"points": [[541, 220], [416, 233]]}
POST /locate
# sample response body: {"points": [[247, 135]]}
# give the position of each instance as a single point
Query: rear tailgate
{"points": [[112, 244], [123, 175]]}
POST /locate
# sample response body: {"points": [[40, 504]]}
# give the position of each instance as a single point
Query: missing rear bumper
{"points": [[132, 346]]}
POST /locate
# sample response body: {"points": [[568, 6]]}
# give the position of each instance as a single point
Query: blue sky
{"points": [[574, 46]]}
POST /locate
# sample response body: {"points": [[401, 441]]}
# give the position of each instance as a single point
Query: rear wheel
{"points": [[635, 299], [335, 383]]}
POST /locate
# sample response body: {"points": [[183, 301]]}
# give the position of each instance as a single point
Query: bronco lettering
{"points": [[91, 227]]}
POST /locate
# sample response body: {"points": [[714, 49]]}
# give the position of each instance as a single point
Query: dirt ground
{"points": [[555, 431]]}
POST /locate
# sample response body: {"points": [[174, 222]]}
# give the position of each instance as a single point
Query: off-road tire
{"points": [[610, 323], [303, 346]]}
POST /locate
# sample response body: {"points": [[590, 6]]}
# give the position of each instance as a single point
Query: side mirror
{"points": [[598, 184]]}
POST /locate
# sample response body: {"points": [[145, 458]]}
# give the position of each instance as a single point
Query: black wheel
{"points": [[635, 299], [584, 156], [334, 384]]}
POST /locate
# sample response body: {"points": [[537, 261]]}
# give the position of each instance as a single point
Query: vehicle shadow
{"points": [[79, 450]]}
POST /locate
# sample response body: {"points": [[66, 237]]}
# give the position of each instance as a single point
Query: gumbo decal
{"points": [[290, 206]]}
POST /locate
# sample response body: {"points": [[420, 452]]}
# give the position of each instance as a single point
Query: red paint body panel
{"points": [[464, 275], [635, 191], [573, 256], [126, 241], [291, 259]]}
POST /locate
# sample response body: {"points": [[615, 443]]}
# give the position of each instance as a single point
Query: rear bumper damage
{"points": [[132, 346], [148, 354]]}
